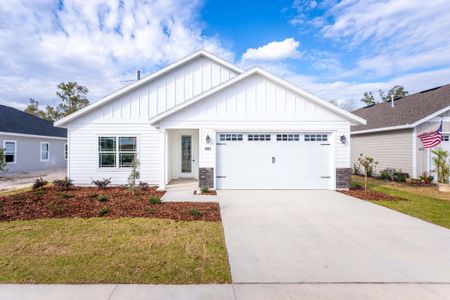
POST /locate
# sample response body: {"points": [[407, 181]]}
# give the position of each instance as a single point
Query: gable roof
{"points": [[147, 79], [15, 121], [256, 70], [407, 112]]}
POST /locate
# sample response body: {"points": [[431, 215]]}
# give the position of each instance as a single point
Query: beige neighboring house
{"points": [[390, 135]]}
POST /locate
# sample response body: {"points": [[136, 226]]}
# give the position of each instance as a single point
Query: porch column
{"points": [[163, 158]]}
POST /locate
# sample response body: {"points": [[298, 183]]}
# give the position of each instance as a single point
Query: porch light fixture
{"points": [[343, 139], [208, 139]]}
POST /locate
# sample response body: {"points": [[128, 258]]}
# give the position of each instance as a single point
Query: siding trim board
{"points": [[33, 136]]}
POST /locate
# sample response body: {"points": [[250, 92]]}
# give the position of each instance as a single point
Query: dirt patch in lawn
{"points": [[87, 202], [371, 195]]}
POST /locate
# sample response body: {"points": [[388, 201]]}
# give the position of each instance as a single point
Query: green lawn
{"points": [[103, 250], [425, 203]]}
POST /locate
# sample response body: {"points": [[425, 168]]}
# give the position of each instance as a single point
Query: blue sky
{"points": [[335, 49]]}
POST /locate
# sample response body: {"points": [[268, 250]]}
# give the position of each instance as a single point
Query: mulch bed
{"points": [[84, 202], [210, 193], [370, 195]]}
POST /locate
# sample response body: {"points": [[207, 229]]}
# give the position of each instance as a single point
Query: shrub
{"points": [[394, 175], [66, 196], [143, 185], [102, 183], [368, 164], [64, 184], [93, 195], [103, 212], [149, 210], [356, 169], [2, 160], [195, 212], [39, 183], [204, 189], [442, 166], [425, 178], [102, 198], [154, 200], [40, 192]]}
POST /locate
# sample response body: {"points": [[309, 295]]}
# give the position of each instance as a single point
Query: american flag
{"points": [[432, 138]]}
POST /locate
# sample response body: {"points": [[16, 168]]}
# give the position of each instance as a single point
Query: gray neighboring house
{"points": [[31, 143], [390, 135]]}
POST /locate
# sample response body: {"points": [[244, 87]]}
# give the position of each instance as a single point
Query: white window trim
{"points": [[40, 152], [117, 152], [15, 150], [66, 151]]}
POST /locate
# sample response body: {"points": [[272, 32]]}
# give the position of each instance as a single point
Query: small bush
{"points": [[40, 192], [356, 169], [143, 185], [102, 198], [154, 200], [425, 178], [93, 195], [66, 196], [393, 175], [64, 184], [195, 212], [102, 183], [103, 212], [39, 183], [204, 189]]}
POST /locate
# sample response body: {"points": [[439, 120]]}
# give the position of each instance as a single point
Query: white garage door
{"points": [[274, 161]]}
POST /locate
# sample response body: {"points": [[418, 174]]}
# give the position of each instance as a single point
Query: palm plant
{"points": [[442, 167]]}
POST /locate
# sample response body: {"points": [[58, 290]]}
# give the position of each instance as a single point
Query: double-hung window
{"points": [[116, 151], [45, 151], [10, 151]]}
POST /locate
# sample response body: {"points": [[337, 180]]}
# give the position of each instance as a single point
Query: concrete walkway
{"points": [[226, 292], [328, 237], [183, 190]]}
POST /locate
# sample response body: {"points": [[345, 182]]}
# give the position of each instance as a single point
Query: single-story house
{"points": [[31, 143], [206, 119], [390, 135]]}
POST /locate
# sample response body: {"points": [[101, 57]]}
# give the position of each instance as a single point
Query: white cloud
{"points": [[274, 51], [98, 43]]}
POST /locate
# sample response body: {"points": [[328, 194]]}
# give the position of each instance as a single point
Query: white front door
{"points": [[274, 161], [187, 154]]}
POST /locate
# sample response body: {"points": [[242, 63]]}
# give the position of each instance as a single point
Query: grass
{"points": [[425, 203], [122, 250]]}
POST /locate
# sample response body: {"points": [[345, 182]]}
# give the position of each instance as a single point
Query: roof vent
{"points": [[429, 90]]}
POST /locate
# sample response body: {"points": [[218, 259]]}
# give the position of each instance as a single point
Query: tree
{"points": [[368, 164], [368, 98], [396, 92], [73, 98], [134, 176], [2, 160], [348, 105]]}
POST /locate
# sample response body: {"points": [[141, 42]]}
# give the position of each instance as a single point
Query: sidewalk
{"points": [[384, 291]]}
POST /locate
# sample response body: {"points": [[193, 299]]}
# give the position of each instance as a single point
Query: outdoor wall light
{"points": [[343, 139], [208, 139]]}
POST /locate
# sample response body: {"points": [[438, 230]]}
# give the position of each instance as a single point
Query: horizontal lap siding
{"points": [[83, 153], [391, 149]]}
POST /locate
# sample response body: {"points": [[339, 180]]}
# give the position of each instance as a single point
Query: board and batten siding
{"points": [[28, 151], [258, 104], [391, 149], [129, 115]]}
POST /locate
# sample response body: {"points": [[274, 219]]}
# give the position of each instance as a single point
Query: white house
{"points": [[207, 119]]}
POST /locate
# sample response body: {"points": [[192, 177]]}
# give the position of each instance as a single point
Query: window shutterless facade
{"points": [[10, 151], [116, 151], [45, 151]]}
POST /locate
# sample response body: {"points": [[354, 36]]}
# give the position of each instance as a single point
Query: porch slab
{"points": [[182, 190]]}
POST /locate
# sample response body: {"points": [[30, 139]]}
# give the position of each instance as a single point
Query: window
{"points": [[10, 151], [316, 137], [446, 138], [259, 137], [66, 151], [116, 151], [45, 151], [288, 137], [230, 137]]}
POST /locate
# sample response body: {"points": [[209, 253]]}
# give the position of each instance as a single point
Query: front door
{"points": [[186, 156]]}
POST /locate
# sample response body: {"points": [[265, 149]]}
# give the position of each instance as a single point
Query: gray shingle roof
{"points": [[15, 121], [407, 110]]}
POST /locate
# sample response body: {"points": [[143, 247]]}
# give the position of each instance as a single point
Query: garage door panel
{"points": [[274, 164]]}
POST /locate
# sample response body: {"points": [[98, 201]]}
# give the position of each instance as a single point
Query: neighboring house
{"points": [[390, 135], [31, 143], [205, 118]]}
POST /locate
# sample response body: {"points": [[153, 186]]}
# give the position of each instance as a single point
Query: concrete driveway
{"points": [[328, 237]]}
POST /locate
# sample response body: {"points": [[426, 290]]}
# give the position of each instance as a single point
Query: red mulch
{"points": [[83, 202], [210, 192], [370, 195]]}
